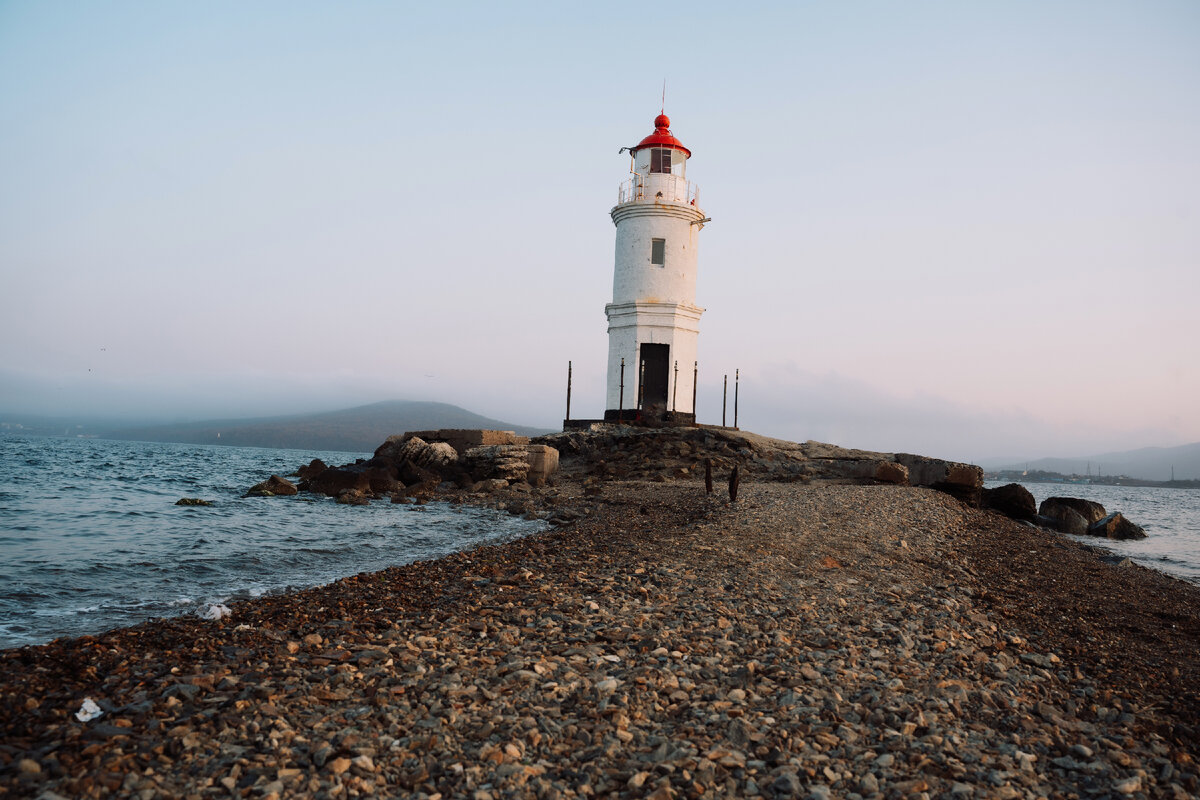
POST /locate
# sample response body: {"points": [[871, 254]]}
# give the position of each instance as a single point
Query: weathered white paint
{"points": [[654, 303]]}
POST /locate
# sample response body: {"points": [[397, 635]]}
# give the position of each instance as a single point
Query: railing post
{"points": [[568, 391], [675, 388], [735, 395], [621, 396], [695, 375], [641, 385], [724, 397]]}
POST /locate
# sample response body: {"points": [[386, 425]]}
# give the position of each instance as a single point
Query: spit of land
{"points": [[805, 641]]}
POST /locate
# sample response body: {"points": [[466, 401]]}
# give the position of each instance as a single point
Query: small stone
{"points": [[1129, 785], [339, 765], [786, 784], [28, 766]]}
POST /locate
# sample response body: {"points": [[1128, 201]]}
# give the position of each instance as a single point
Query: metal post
{"points": [[695, 375], [568, 391], [735, 395], [675, 389], [641, 382], [724, 396], [621, 398]]}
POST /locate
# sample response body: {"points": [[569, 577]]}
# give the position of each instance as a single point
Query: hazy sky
{"points": [[964, 229]]}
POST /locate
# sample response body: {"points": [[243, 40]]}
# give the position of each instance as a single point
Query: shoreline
{"points": [[868, 640]]}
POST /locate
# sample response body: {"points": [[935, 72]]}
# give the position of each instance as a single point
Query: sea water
{"points": [[91, 538], [1170, 517]]}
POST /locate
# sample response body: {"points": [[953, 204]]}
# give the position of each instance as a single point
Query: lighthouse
{"points": [[653, 319]]}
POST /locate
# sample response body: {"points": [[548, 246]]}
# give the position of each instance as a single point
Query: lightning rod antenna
{"points": [[664, 97]]}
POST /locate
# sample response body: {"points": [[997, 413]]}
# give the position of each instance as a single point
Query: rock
{"points": [[424, 488], [338, 479], [543, 463], [1012, 500], [964, 481], [463, 439], [1115, 526], [1066, 519], [1091, 512], [352, 497], [416, 451], [891, 472], [216, 611], [271, 487], [489, 485], [381, 481], [411, 474], [787, 784], [312, 469], [193, 501], [509, 462]]}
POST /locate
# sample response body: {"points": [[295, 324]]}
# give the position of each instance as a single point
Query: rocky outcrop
{"points": [[612, 451], [406, 465], [1115, 526], [1012, 500], [271, 487]]}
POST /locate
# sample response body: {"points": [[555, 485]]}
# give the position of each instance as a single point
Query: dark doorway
{"points": [[655, 374]]}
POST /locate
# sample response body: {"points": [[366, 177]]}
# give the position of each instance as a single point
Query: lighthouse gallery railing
{"points": [[657, 188]]}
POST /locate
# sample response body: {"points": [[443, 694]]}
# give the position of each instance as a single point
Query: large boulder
{"points": [[543, 462], [1115, 526], [964, 481], [1012, 500], [1091, 512], [433, 456], [1067, 520], [508, 462]]}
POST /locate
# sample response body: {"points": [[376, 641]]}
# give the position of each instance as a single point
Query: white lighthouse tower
{"points": [[653, 319]]}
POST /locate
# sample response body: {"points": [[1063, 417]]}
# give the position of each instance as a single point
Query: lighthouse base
{"points": [[650, 416]]}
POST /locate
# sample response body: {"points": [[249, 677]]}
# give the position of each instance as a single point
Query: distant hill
{"points": [[1149, 463], [355, 430]]}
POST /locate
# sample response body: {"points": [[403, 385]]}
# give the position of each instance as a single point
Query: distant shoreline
{"points": [[1012, 476]]}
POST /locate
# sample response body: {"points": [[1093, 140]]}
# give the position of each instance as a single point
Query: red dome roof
{"points": [[662, 137]]}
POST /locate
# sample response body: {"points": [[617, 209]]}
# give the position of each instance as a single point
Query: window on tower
{"points": [[658, 252], [660, 161]]}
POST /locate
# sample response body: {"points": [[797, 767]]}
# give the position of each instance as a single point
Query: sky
{"points": [[969, 230]]}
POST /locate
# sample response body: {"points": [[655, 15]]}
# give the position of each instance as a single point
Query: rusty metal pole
{"points": [[621, 397], [695, 376], [724, 398], [675, 390], [641, 385], [736, 372], [568, 391]]}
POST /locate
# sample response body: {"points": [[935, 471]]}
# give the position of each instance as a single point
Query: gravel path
{"points": [[809, 641]]}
